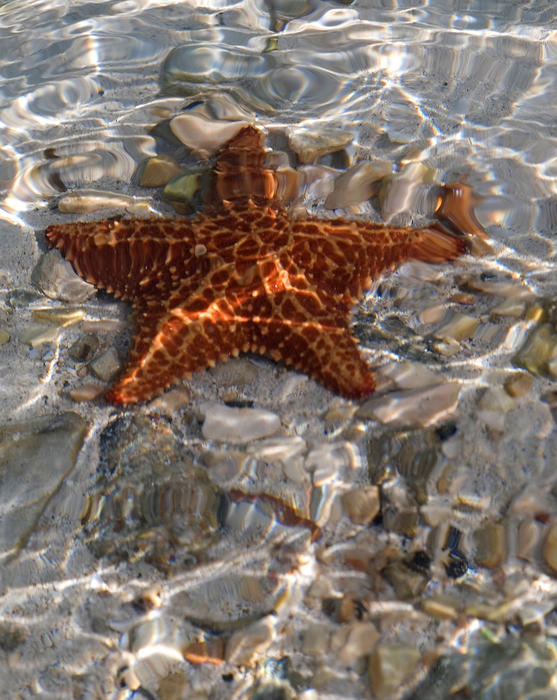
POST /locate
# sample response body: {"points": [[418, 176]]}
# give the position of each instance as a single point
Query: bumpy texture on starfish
{"points": [[243, 276]]}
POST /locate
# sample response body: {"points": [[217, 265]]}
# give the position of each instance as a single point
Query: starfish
{"points": [[244, 276]]}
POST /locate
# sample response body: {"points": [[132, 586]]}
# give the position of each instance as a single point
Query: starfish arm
{"points": [[342, 257], [130, 257], [171, 345], [328, 353]]}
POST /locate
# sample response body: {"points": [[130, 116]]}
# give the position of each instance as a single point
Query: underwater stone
{"points": [[61, 318], [181, 191], [354, 640], [238, 425], [538, 351], [158, 171], [35, 458], [35, 335], [459, 327], [204, 136], [106, 366], [150, 501], [420, 407], [84, 349], [309, 146], [550, 548], [403, 192], [407, 584], [361, 504], [56, 278], [87, 202], [518, 384], [357, 183], [388, 666], [315, 639], [490, 545], [4, 336]]}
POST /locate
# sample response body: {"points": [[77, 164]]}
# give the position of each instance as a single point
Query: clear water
{"points": [[114, 566]]}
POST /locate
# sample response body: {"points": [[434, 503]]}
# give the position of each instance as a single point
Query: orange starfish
{"points": [[243, 276]]}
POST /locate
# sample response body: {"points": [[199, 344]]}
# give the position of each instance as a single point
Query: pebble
{"points": [[35, 335], [158, 171], [491, 549], [410, 375], [245, 645], [56, 278], [310, 146], [4, 336], [538, 351], [181, 191], [414, 407], [432, 314], [26, 486], [106, 365], [315, 639], [508, 289], [400, 192], [389, 666], [518, 384], [527, 538], [84, 349], [459, 327], [211, 652], [175, 687], [223, 107], [86, 392], [404, 521], [86, 202], [357, 184], [496, 399], [439, 610], [326, 461], [171, 401], [361, 504], [354, 640], [279, 449], [59, 317], [150, 492], [204, 136], [514, 308], [238, 425], [407, 583], [550, 548]]}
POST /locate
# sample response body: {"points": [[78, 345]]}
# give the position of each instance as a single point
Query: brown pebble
{"points": [[361, 504], [491, 545], [519, 384], [550, 548], [463, 298]]}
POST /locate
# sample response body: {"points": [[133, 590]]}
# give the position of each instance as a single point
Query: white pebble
{"points": [[238, 425]]}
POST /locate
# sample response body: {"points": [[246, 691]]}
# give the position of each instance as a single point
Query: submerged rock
{"points": [[55, 277], [357, 183], [538, 354], [158, 171], [151, 501], [310, 146], [35, 458], [238, 425], [90, 201], [419, 407], [204, 136], [389, 665]]}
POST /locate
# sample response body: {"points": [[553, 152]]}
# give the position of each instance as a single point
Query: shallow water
{"points": [[340, 542]]}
